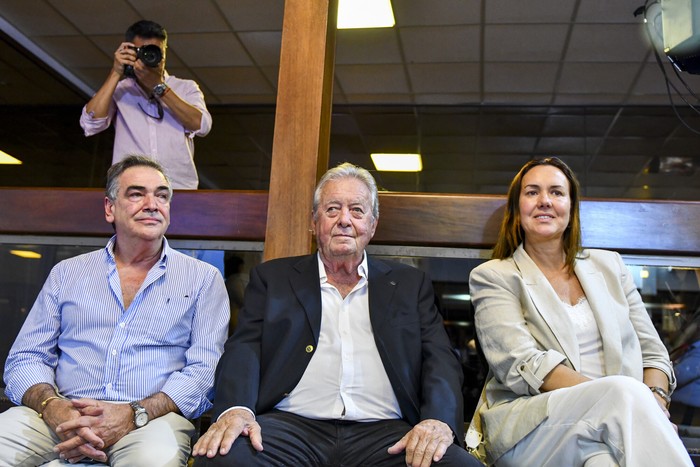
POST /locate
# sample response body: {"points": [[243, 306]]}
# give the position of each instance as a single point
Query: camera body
{"points": [[150, 55]]}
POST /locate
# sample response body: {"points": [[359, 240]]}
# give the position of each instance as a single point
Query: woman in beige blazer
{"points": [[577, 372]]}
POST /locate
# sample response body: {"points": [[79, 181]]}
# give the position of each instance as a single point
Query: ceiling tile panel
{"points": [[263, 47], [384, 99], [561, 146], [234, 80], [96, 18], [505, 145], [449, 98], [447, 144], [448, 124], [623, 43], [450, 78], [516, 78], [367, 46], [253, 15], [75, 51], [605, 11], [183, 16], [597, 78], [433, 13], [384, 79], [525, 99], [621, 147], [524, 43], [445, 44], [567, 99], [36, 18], [543, 11], [209, 50]]}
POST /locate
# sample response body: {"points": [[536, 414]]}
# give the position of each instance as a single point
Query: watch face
{"points": [[141, 419], [159, 89]]}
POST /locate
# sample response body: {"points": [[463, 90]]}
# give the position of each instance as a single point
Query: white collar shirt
{"points": [[345, 378]]}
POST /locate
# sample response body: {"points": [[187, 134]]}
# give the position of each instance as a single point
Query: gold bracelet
{"points": [[45, 402]]}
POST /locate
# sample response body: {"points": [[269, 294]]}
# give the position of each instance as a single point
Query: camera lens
{"points": [[150, 55]]}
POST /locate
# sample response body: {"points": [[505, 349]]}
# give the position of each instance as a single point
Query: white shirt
{"points": [[590, 343], [165, 139], [345, 378]]}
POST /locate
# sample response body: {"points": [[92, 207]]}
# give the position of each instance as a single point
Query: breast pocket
{"points": [[170, 321]]}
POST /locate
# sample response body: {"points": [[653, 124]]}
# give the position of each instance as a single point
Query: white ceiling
{"points": [[477, 86]]}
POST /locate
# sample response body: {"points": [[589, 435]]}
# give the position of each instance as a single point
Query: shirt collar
{"points": [[361, 269], [164, 252]]}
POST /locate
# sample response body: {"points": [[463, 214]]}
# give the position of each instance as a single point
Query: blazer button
{"points": [[309, 348]]}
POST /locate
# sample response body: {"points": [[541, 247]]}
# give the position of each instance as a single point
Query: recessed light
{"points": [[356, 14], [397, 162], [5, 158], [26, 254]]}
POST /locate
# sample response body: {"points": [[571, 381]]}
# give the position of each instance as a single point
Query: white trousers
{"points": [[611, 421], [27, 441]]}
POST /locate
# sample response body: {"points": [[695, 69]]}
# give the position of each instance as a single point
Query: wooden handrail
{"points": [[419, 219]]}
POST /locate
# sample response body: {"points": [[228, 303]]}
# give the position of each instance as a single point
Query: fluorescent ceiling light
{"points": [[355, 14], [397, 162], [5, 158], [26, 254]]}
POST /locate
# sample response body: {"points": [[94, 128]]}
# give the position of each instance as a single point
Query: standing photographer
{"points": [[154, 113]]}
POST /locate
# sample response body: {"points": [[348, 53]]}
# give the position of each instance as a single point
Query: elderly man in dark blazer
{"points": [[338, 358]]}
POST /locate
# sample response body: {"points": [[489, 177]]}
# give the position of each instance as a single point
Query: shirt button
{"points": [[114, 352], [121, 325]]}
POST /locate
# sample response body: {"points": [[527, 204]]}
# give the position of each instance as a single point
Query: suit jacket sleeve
{"points": [[442, 373], [274, 339]]}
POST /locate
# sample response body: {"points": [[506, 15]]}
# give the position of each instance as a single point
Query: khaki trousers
{"points": [[26, 441]]}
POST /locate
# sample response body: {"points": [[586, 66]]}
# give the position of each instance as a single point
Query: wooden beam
{"points": [[200, 214], [455, 221], [302, 123]]}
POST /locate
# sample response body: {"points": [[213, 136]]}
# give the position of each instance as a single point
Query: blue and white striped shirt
{"points": [[79, 337]]}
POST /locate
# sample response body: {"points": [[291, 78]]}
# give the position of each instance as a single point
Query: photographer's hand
{"points": [[123, 56], [148, 77], [98, 106]]}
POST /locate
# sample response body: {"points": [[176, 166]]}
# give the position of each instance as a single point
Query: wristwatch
{"points": [[662, 393], [140, 414], [159, 90]]}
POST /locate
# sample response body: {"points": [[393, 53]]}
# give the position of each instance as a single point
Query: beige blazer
{"points": [[525, 332]]}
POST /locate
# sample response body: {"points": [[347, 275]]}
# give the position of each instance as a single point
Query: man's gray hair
{"points": [[348, 170], [133, 160]]}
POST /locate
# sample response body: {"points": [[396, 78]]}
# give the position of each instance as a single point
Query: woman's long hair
{"points": [[511, 234]]}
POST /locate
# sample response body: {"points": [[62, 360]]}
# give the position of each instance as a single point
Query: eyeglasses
{"points": [[159, 108]]}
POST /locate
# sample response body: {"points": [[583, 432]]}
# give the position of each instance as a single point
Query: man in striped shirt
{"points": [[120, 347]]}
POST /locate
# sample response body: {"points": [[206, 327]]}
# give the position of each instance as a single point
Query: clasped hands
{"points": [[86, 427], [424, 444]]}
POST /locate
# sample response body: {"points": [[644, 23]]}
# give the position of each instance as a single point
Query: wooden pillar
{"points": [[302, 123]]}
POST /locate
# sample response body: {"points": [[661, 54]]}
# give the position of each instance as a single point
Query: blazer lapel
{"points": [[594, 286], [306, 286], [381, 290], [549, 306]]}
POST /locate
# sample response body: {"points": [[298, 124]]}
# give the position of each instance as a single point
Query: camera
{"points": [[150, 55]]}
